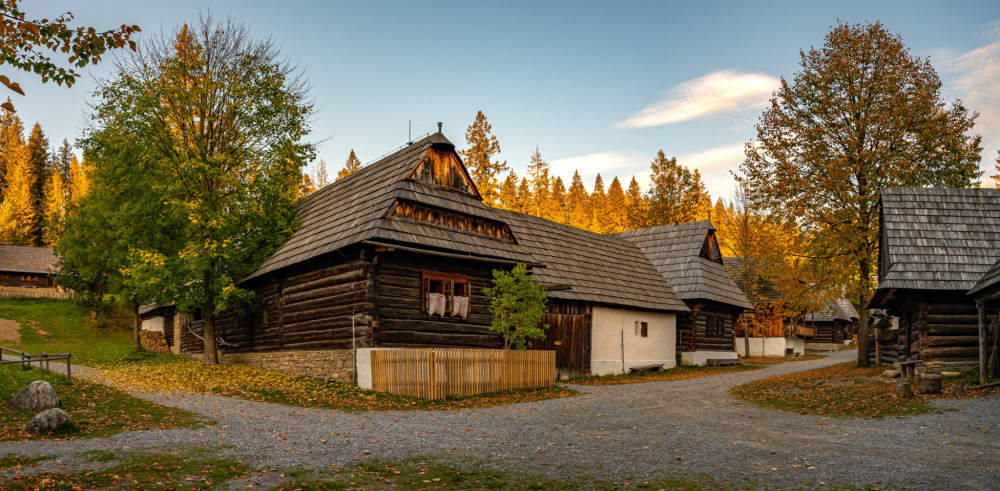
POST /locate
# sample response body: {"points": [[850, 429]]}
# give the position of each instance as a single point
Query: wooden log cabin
{"points": [[935, 244], [27, 267], [609, 309], [398, 254], [687, 256], [830, 325], [986, 293]]}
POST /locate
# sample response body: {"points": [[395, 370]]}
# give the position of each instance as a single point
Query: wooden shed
{"points": [[986, 293], [687, 256], [27, 267], [831, 324], [609, 309], [935, 244]]}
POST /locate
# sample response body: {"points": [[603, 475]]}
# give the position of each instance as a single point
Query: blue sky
{"points": [[598, 86]]}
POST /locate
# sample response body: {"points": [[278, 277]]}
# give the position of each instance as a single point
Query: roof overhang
{"points": [[452, 255]]}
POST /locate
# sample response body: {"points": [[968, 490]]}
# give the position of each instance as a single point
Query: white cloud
{"points": [[608, 164], [976, 79], [724, 91], [715, 165]]}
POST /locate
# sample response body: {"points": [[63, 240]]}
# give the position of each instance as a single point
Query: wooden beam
{"points": [[982, 342]]}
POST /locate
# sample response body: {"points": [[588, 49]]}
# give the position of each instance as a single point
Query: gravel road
{"points": [[614, 432]]}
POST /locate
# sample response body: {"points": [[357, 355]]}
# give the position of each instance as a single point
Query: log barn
{"points": [[935, 245], [687, 256], [398, 253], [27, 267], [986, 293], [829, 325]]}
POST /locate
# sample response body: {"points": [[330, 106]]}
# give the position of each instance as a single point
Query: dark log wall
{"points": [[569, 335], [828, 332], [25, 280], [692, 329], [307, 310], [942, 331], [400, 320]]}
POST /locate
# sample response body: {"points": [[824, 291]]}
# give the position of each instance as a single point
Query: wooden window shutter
{"points": [[645, 329]]}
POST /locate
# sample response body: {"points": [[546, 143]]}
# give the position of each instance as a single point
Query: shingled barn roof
{"points": [[24, 259], [936, 239], [359, 207], [596, 268], [757, 289], [676, 252], [839, 309], [989, 280]]}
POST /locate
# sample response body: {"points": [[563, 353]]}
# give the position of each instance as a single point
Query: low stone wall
{"points": [[324, 364], [826, 346]]}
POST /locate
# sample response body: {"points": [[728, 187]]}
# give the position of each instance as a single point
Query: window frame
{"points": [[451, 282]]}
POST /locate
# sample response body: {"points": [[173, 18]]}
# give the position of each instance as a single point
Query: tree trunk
{"points": [[863, 360], [211, 351], [136, 329], [746, 341]]}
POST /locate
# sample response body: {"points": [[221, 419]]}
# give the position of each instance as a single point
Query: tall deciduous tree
{"points": [[861, 114], [24, 42], [53, 208], [483, 146], [616, 210], [524, 202], [79, 179], [598, 207], [350, 167], [559, 201], [677, 193], [18, 212], [224, 117], [507, 197], [538, 175]]}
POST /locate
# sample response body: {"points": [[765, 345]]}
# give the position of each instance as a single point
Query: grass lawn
{"points": [[51, 325], [167, 373], [180, 469], [841, 391], [771, 360], [680, 372], [96, 410]]}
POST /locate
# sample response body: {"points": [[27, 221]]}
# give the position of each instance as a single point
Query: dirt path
{"points": [[627, 431], [9, 330]]}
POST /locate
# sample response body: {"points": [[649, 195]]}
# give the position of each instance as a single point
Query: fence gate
{"points": [[569, 337]]}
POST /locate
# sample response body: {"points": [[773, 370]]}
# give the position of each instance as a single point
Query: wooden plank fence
{"points": [[435, 373], [14, 292]]}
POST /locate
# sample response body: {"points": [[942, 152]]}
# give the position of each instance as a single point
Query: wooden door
{"points": [[569, 337]]}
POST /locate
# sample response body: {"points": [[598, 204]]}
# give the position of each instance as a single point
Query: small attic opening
{"points": [[710, 248], [441, 166]]}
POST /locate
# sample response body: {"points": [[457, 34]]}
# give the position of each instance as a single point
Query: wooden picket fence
{"points": [[435, 373]]}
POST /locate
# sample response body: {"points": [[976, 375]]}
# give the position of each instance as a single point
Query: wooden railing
{"points": [[26, 359], [436, 373], [22, 292]]}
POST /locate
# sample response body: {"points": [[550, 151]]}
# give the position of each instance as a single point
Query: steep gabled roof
{"points": [[596, 268], [936, 239], [989, 280], [676, 252], [360, 207], [839, 309], [763, 290], [25, 259]]}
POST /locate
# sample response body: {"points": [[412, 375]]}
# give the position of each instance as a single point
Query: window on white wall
{"points": [[638, 329]]}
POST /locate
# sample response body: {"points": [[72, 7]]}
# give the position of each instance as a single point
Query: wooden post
{"points": [[878, 345], [69, 369], [982, 341]]}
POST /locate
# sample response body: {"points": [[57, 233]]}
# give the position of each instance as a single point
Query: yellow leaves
{"points": [[11, 85]]}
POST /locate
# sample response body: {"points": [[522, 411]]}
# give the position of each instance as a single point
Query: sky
{"points": [[598, 87]]}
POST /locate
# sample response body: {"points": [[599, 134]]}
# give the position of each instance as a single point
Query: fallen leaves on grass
{"points": [[677, 373], [771, 360], [257, 384], [841, 390]]}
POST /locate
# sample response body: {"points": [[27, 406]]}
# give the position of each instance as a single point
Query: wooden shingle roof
{"points": [[937, 239], [989, 280], [675, 252], [839, 309], [356, 208], [757, 288], [598, 268], [25, 259]]}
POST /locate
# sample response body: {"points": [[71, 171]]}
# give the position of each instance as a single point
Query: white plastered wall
{"points": [[607, 348], [153, 324], [771, 346]]}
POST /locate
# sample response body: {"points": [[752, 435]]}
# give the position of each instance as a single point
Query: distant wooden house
{"points": [[687, 256], [830, 324], [397, 255], [935, 245], [27, 267]]}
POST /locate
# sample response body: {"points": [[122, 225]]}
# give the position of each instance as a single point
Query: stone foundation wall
{"points": [[826, 346], [324, 364]]}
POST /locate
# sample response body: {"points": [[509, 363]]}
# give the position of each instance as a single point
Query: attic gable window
{"points": [[443, 168], [445, 218], [710, 248], [445, 295]]}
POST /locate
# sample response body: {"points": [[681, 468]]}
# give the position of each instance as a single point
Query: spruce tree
{"points": [[578, 214], [638, 206], [616, 209], [478, 158], [64, 159], [559, 201], [79, 180], [18, 213], [320, 177], [677, 193], [54, 209], [538, 172], [350, 167], [507, 198], [598, 207], [38, 149], [524, 198]]}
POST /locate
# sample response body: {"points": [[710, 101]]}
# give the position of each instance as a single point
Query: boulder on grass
{"points": [[37, 396], [891, 373], [47, 420]]}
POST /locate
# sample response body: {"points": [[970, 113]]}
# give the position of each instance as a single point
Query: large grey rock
{"points": [[47, 421], [37, 396]]}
